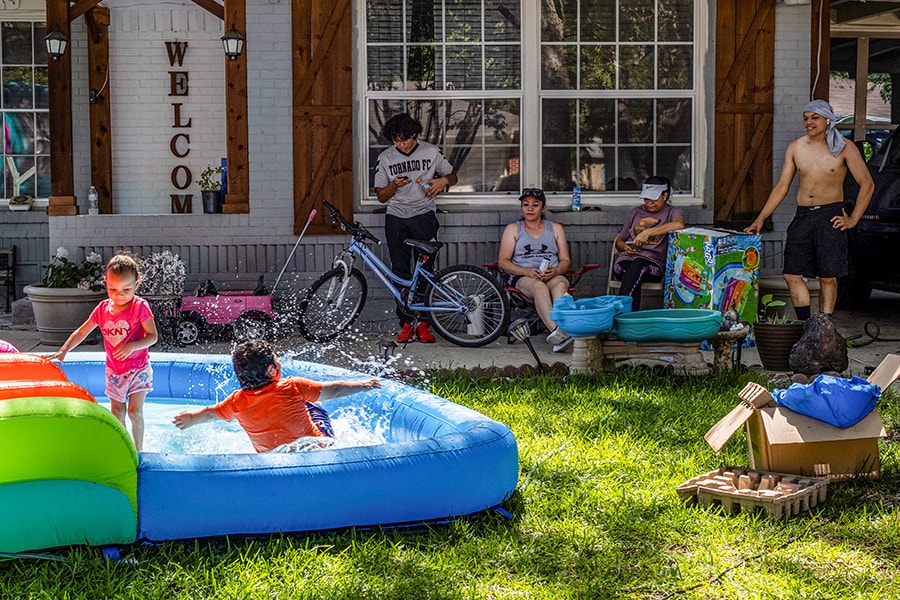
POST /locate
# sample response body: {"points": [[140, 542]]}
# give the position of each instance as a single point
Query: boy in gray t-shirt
{"points": [[408, 176]]}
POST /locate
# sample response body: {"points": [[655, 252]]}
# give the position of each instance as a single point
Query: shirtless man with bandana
{"points": [[816, 244]]}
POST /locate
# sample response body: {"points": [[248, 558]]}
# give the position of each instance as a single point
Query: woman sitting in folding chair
{"points": [[644, 239], [535, 255]]}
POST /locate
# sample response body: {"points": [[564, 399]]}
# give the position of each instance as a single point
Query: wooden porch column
{"points": [[237, 199], [97, 20], [820, 50], [59, 78]]}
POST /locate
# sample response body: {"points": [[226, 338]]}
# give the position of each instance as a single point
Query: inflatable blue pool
{"points": [[441, 460]]}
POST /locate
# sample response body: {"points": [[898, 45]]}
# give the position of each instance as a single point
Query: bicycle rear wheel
{"points": [[485, 313], [331, 304]]}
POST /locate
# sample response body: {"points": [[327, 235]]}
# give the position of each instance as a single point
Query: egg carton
{"points": [[738, 489]]}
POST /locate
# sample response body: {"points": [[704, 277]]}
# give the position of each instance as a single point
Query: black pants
{"points": [[396, 230], [636, 272]]}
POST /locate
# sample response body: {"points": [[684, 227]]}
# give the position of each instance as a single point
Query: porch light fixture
{"points": [[233, 43], [56, 43]]}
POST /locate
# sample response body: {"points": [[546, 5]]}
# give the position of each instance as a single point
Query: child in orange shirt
{"points": [[275, 412]]}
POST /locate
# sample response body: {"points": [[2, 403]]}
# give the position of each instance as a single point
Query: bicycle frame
{"points": [[357, 247], [463, 303]]}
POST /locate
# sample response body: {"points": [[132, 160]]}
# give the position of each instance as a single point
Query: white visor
{"points": [[652, 191]]}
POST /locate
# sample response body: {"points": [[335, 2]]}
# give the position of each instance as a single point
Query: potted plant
{"points": [[775, 334], [67, 294], [162, 284], [211, 189]]}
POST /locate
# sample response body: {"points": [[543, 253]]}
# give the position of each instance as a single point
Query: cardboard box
{"points": [[713, 268], [784, 441]]}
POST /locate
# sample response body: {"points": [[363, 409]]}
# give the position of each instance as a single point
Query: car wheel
{"points": [[187, 331], [250, 328]]}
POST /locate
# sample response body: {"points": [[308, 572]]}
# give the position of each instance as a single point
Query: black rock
{"points": [[820, 349]]}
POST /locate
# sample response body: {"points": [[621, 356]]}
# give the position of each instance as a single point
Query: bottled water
{"points": [[93, 202], [576, 193]]}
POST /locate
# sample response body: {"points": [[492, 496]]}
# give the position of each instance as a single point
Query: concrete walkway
{"points": [[361, 351]]}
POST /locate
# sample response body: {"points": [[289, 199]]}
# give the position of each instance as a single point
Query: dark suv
{"points": [[875, 241]]}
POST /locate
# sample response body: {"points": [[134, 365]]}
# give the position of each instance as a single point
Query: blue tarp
{"points": [[838, 401]]}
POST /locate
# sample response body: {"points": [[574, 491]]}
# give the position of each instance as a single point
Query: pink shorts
{"points": [[120, 387]]}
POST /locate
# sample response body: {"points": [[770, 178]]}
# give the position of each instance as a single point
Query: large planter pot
{"points": [[60, 311], [774, 342]]}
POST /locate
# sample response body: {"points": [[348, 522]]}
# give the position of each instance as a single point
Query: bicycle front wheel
{"points": [[331, 304], [482, 313]]}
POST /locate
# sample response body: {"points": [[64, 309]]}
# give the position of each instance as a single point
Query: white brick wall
{"points": [[234, 249], [269, 120], [792, 59], [142, 115], [792, 92]]}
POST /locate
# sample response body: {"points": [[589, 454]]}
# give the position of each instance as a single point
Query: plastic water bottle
{"points": [[93, 202], [576, 193]]}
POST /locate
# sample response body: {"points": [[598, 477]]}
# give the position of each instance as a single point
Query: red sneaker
{"points": [[423, 334], [406, 334]]}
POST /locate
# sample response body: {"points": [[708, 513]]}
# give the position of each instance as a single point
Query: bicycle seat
{"points": [[423, 246]]}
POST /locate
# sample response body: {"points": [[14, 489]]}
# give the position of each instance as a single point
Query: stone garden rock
{"points": [[820, 349]]}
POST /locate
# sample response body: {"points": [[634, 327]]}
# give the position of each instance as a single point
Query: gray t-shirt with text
{"points": [[423, 163]]}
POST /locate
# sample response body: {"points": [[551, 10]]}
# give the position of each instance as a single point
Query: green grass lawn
{"points": [[595, 515]]}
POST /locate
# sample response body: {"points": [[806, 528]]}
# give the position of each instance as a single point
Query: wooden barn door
{"points": [[745, 82], [323, 99]]}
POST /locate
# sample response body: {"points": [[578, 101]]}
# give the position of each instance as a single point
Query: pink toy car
{"points": [[249, 313]]}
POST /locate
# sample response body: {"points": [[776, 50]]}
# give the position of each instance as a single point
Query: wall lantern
{"points": [[233, 43], [56, 43]]}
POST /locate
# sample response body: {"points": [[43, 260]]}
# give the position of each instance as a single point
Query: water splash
{"points": [[361, 352], [353, 426]]}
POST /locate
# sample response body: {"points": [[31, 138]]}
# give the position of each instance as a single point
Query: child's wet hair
{"points": [[251, 360], [123, 264]]}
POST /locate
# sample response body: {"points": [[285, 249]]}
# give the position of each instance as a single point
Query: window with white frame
{"points": [[602, 91], [24, 109]]}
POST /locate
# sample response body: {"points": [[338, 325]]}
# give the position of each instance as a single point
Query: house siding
{"points": [[234, 250]]}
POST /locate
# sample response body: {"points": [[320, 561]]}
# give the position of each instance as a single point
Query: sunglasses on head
{"points": [[535, 192]]}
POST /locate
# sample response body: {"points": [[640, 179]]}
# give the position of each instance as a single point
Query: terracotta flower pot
{"points": [[60, 311], [774, 342]]}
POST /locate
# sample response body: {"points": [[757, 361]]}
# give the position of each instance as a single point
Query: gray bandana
{"points": [[833, 138]]}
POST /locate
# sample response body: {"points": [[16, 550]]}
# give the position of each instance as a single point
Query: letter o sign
{"points": [[179, 173]]}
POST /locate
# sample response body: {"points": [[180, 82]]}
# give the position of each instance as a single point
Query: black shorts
{"points": [[814, 248]]}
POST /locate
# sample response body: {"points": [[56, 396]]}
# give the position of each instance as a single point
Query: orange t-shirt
{"points": [[274, 414]]}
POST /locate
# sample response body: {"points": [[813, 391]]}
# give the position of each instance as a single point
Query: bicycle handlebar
{"points": [[356, 228]]}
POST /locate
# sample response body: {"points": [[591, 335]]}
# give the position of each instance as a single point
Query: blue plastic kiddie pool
{"points": [[668, 325], [589, 316]]}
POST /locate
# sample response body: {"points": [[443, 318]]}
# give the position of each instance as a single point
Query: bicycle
{"points": [[464, 303]]}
